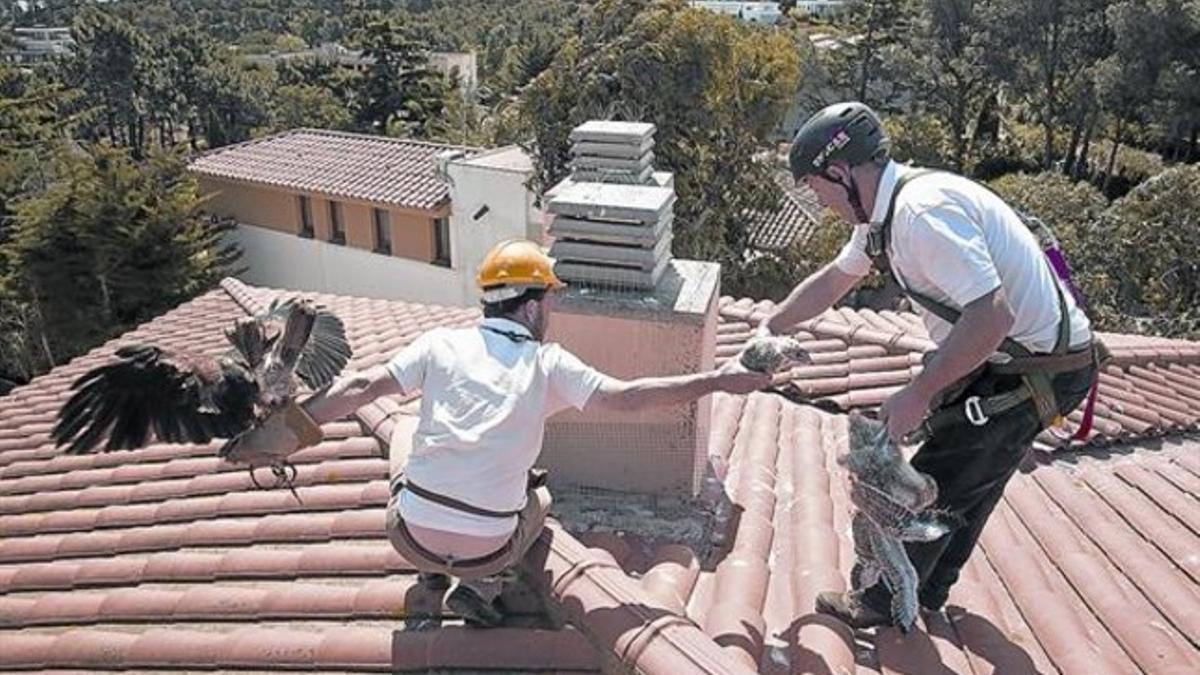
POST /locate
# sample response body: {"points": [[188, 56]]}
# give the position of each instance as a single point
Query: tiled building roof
{"points": [[162, 558], [1150, 387], [374, 169], [789, 221]]}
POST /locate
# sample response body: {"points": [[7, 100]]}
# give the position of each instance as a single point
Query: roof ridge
{"points": [[373, 137], [616, 614], [243, 294]]}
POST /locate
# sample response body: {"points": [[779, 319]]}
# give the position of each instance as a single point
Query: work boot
{"points": [[475, 610], [850, 610]]}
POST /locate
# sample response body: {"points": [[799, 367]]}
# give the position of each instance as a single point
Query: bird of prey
{"points": [[176, 396], [894, 503]]}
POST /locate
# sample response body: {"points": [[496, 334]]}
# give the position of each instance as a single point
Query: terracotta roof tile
{"points": [[787, 222], [1089, 564], [375, 169]]}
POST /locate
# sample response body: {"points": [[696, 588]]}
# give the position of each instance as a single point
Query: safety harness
{"points": [[1036, 371], [536, 478]]}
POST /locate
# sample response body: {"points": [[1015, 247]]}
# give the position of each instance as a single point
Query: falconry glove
{"points": [[282, 433]]}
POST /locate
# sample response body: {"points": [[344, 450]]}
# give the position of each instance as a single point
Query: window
{"points": [[383, 231], [337, 226], [441, 242], [306, 221]]}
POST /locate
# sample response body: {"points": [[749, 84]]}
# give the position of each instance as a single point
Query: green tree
{"points": [[1049, 49], [108, 245], [1150, 238], [398, 94], [948, 62], [879, 27], [234, 101], [304, 105], [920, 139], [111, 64], [1146, 36], [714, 88], [35, 117]]}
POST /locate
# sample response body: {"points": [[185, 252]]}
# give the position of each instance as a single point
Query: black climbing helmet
{"points": [[850, 132]]}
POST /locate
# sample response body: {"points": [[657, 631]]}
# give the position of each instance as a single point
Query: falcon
{"points": [[150, 393]]}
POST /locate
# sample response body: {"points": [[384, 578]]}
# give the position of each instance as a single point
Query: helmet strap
{"points": [[852, 194]]}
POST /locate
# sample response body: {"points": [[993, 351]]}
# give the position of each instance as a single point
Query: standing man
{"points": [[1014, 351], [467, 505]]}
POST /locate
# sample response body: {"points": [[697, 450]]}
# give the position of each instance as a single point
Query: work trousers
{"points": [[972, 464]]}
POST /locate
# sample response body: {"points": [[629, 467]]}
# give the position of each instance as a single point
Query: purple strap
{"points": [[1063, 270]]}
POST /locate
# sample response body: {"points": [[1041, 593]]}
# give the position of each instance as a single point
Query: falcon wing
{"points": [[327, 351], [181, 397]]}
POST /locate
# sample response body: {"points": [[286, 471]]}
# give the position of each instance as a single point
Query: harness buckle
{"points": [[875, 243], [974, 410]]}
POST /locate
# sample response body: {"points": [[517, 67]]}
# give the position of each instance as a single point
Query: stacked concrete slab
{"points": [[612, 218], [612, 152], [629, 310]]}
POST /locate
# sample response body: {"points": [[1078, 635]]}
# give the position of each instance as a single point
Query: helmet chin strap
{"points": [[852, 194]]}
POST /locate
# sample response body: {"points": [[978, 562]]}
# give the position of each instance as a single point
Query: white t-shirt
{"points": [[955, 241], [485, 401]]}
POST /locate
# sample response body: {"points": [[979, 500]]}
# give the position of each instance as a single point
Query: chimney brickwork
{"points": [[630, 310]]}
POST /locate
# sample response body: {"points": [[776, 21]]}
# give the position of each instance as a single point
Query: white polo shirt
{"points": [[485, 401], [955, 241]]}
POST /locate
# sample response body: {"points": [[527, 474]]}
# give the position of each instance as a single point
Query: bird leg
{"points": [[280, 469]]}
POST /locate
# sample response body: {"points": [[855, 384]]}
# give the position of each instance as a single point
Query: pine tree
{"points": [[399, 93], [109, 244]]}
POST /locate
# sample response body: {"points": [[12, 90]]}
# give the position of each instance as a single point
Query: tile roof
{"points": [[1151, 386], [375, 169], [165, 558], [162, 558], [792, 219]]}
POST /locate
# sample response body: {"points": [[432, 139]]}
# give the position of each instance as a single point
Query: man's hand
{"points": [[735, 378], [283, 432], [904, 412]]}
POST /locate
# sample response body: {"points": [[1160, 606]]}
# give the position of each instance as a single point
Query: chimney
{"points": [[630, 310]]}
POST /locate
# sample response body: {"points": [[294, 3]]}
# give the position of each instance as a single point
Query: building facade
{"points": [[378, 217], [39, 44]]}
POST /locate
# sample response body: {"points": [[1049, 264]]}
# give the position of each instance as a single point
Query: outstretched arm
{"points": [[647, 392], [812, 296], [296, 426], [351, 392]]}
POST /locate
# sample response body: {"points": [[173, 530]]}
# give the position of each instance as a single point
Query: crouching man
{"points": [[467, 505]]}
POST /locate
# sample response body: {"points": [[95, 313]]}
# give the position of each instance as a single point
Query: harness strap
{"points": [[402, 483], [1036, 374]]}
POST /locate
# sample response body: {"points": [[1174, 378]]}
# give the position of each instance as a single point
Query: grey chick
{"points": [[771, 353], [893, 504]]}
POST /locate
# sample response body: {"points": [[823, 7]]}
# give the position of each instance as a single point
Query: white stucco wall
{"points": [[282, 260], [495, 179]]}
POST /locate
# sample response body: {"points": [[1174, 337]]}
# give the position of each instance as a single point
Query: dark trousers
{"points": [[971, 465]]}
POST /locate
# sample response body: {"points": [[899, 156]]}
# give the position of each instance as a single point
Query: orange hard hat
{"points": [[513, 266]]}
